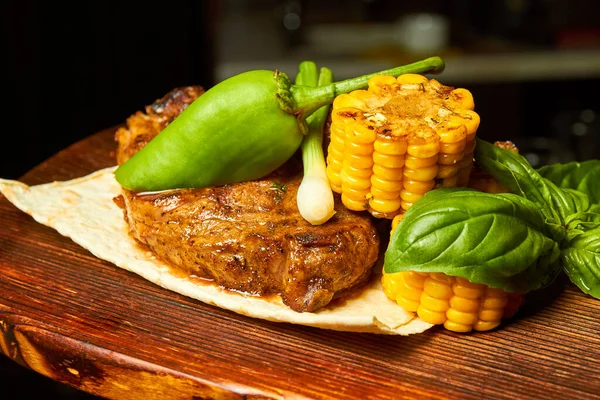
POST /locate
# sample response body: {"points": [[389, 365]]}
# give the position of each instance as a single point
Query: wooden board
{"points": [[84, 322]]}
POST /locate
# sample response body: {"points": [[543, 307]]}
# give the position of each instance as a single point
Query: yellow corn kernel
{"points": [[385, 184], [451, 148], [335, 180], [421, 174], [405, 205], [457, 327], [408, 291], [406, 304], [495, 303], [447, 171], [395, 223], [393, 174], [415, 279], [490, 315], [357, 172], [410, 197], [480, 325], [467, 290], [388, 160], [347, 100], [380, 83], [411, 78], [430, 316], [449, 158], [412, 162], [435, 288], [384, 194], [363, 149], [358, 161], [417, 186], [433, 303], [385, 205], [421, 148], [396, 147], [465, 305], [356, 194], [352, 182], [464, 318], [363, 95], [353, 204]]}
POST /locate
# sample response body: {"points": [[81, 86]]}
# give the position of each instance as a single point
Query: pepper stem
{"points": [[309, 99]]}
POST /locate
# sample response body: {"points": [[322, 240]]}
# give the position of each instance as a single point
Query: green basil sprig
{"points": [[581, 176], [499, 240], [516, 242], [581, 261]]}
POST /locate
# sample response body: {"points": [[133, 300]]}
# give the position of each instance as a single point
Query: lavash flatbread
{"points": [[83, 210]]}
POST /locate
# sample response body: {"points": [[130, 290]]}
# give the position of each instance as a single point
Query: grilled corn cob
{"points": [[397, 140], [460, 305]]}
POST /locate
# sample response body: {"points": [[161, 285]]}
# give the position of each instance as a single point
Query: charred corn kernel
{"points": [[405, 136], [458, 304], [461, 98]]}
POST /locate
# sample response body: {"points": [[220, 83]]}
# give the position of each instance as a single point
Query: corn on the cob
{"points": [[397, 140], [458, 304]]}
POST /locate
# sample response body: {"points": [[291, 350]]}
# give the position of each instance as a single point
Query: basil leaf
{"points": [[496, 239], [514, 171], [582, 176], [581, 261]]}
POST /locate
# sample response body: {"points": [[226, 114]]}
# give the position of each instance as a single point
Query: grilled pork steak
{"points": [[250, 236]]}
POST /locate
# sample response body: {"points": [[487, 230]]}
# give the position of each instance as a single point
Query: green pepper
{"points": [[241, 129]]}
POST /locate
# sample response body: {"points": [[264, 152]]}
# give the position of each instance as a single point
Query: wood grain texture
{"points": [[84, 322]]}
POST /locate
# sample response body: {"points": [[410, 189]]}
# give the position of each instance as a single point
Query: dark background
{"points": [[70, 69]]}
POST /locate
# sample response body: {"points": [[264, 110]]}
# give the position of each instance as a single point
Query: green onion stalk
{"points": [[314, 198]]}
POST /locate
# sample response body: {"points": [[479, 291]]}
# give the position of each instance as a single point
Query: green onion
{"points": [[314, 199]]}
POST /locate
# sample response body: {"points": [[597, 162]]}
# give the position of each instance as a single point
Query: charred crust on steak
{"points": [[247, 237]]}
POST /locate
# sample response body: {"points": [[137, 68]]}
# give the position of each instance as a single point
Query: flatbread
{"points": [[83, 209]]}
